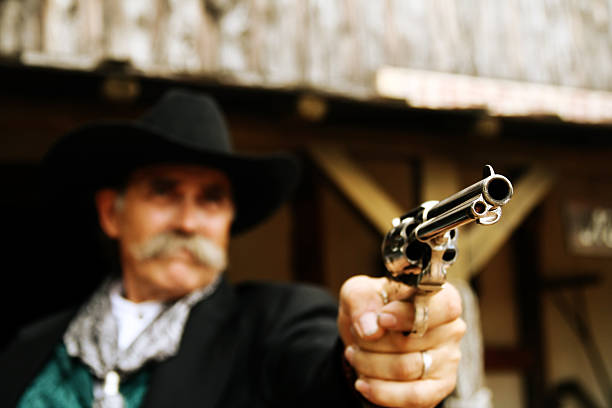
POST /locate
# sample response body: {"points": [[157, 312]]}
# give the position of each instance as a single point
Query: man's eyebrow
{"points": [[216, 187], [162, 182], [216, 184]]}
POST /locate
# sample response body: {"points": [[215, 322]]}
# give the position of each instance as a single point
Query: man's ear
{"points": [[106, 200]]}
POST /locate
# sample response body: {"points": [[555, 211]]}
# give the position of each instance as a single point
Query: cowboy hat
{"points": [[184, 127]]}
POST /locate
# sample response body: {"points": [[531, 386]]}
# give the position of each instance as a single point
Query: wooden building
{"points": [[334, 82]]}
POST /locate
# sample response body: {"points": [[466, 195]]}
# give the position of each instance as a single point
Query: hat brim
{"points": [[103, 154]]}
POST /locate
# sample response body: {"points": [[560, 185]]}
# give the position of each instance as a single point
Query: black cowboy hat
{"points": [[183, 127]]}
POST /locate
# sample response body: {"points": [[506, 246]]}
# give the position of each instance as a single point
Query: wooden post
{"points": [[307, 234], [358, 186], [530, 310]]}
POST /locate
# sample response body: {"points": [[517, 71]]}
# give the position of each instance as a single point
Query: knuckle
{"points": [[398, 341], [419, 399], [361, 363], [403, 312], [455, 356], [460, 327], [454, 307], [352, 284], [410, 397], [449, 386], [404, 368], [398, 290]]}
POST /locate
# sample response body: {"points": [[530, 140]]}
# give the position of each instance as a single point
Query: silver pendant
{"points": [[111, 383]]}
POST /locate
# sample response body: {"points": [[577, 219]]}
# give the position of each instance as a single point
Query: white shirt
{"points": [[132, 318]]}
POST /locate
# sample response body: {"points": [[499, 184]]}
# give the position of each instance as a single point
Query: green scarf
{"points": [[66, 382]]}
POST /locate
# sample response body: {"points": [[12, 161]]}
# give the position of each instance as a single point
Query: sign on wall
{"points": [[589, 229]]}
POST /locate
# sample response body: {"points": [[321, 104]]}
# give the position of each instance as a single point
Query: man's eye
{"points": [[216, 195], [161, 187]]}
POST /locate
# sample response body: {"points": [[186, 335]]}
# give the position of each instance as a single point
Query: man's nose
{"points": [[189, 216]]}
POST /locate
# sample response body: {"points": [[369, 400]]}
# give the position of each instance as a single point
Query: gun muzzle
{"points": [[481, 202]]}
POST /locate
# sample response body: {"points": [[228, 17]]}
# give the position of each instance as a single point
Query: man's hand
{"points": [[389, 362]]}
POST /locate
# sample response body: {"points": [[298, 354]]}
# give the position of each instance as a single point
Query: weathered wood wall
{"points": [[323, 44]]}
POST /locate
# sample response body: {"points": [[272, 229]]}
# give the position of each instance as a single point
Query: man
{"points": [[168, 329]]}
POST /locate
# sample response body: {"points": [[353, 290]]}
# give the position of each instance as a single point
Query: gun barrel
{"points": [[439, 225], [495, 189], [480, 200]]}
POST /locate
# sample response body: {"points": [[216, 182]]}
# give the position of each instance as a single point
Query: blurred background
{"points": [[388, 103]]}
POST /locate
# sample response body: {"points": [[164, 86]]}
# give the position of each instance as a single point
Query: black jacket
{"points": [[252, 345]]}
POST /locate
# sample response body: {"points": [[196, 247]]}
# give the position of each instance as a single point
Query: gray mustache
{"points": [[205, 251]]}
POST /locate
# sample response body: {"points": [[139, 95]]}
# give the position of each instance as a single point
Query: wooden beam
{"points": [[439, 178], [357, 185], [478, 245]]}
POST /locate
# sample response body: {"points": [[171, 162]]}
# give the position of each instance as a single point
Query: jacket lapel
{"points": [[198, 374], [22, 361]]}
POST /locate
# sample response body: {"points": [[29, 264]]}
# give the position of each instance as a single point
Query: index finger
{"points": [[396, 290], [443, 307]]}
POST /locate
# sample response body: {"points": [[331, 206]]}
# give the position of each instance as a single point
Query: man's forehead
{"points": [[179, 172]]}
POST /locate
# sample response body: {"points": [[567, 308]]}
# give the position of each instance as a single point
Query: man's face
{"points": [[173, 227]]}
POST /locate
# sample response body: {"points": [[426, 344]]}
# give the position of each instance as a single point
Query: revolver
{"points": [[422, 243]]}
